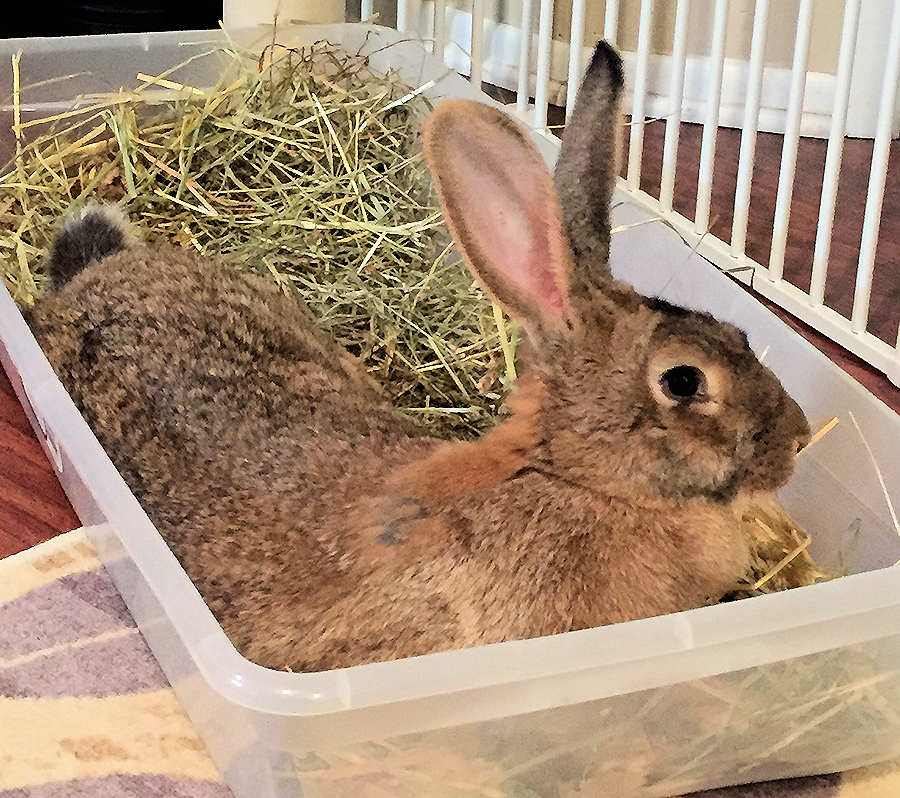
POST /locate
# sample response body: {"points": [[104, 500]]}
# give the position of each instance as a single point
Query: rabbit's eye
{"points": [[683, 383]]}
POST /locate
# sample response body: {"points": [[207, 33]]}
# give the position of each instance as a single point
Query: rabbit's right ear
{"points": [[499, 202], [589, 162]]}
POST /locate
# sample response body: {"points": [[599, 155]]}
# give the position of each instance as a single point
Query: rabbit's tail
{"points": [[89, 234]]}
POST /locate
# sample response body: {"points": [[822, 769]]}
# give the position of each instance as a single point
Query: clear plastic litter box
{"points": [[796, 683]]}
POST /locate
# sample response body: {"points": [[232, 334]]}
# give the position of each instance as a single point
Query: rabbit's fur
{"points": [[323, 530]]}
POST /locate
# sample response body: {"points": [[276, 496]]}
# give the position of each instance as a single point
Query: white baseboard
{"points": [[502, 42]]}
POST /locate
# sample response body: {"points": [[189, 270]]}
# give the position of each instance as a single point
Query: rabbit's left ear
{"points": [[588, 164], [500, 204]]}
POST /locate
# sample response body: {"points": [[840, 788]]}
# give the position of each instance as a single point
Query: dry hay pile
{"points": [[304, 167]]}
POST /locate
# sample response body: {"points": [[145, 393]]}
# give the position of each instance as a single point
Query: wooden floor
{"points": [[884, 310], [33, 507]]}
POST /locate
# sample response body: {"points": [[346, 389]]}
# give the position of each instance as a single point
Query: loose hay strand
{"points": [[783, 562], [17, 109], [820, 433], [169, 84]]}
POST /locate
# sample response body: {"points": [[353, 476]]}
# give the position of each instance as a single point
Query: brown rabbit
{"points": [[323, 530]]}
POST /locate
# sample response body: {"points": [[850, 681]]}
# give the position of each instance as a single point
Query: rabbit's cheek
{"points": [[705, 446], [706, 459], [743, 449], [696, 469]]}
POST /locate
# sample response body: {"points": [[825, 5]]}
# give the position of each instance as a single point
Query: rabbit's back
{"points": [[216, 354], [236, 423]]}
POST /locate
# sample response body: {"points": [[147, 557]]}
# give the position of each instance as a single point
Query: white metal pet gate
{"points": [[860, 100]]}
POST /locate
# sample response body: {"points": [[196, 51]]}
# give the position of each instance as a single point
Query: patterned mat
{"points": [[86, 712]]}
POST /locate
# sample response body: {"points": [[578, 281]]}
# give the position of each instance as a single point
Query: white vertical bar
{"points": [[611, 21], [477, 43], [749, 130], [835, 152], [893, 372], [711, 123], [440, 27], [545, 41], [868, 67], [791, 141], [576, 46], [365, 10], [676, 98], [402, 14], [636, 142], [877, 178], [522, 93]]}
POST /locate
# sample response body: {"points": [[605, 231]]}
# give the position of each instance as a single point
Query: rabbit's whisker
{"points": [[887, 496]]}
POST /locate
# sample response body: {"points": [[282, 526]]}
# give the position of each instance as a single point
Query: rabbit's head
{"points": [[660, 399]]}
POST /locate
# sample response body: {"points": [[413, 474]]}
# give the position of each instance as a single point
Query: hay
{"points": [[778, 547], [302, 164], [304, 167]]}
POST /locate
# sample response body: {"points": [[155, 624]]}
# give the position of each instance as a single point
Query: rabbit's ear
{"points": [[588, 164], [498, 199]]}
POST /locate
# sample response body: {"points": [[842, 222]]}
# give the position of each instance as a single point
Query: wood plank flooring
{"points": [[33, 506]]}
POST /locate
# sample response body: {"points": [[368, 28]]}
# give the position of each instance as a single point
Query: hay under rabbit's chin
{"points": [[780, 559], [304, 168]]}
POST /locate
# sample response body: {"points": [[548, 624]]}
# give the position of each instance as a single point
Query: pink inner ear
{"points": [[509, 215]]}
